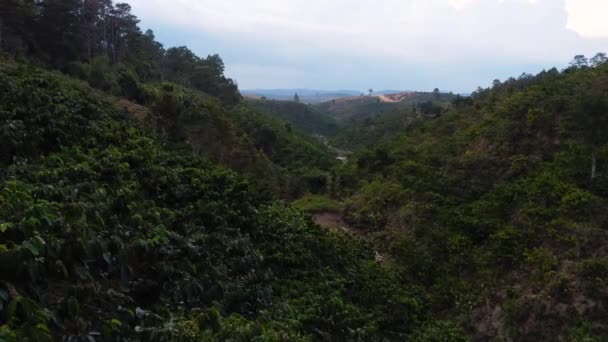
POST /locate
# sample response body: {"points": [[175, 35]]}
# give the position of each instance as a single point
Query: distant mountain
{"points": [[306, 95], [361, 107]]}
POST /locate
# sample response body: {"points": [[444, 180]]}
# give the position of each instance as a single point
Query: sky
{"points": [[453, 45]]}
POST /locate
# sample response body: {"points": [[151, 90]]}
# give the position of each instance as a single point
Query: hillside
{"points": [[362, 107], [300, 116], [498, 208], [371, 131], [108, 234], [186, 100], [119, 217], [142, 198], [367, 121]]}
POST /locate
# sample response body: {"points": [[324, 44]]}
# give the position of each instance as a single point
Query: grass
{"points": [[316, 203]]}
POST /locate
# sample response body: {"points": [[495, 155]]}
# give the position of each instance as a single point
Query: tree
{"points": [[94, 16], [266, 140], [579, 62], [296, 97], [16, 23], [60, 31], [436, 94], [124, 31], [178, 65], [148, 55], [594, 119], [599, 59], [370, 91]]}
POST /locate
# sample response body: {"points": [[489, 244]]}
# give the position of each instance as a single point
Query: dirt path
{"points": [[331, 220], [394, 98], [384, 98]]}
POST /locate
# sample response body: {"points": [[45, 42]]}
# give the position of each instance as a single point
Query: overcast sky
{"points": [[455, 45]]}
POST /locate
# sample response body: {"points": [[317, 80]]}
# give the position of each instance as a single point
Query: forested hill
{"points": [[498, 207], [142, 199], [185, 99], [119, 219], [107, 234], [301, 116], [101, 42]]}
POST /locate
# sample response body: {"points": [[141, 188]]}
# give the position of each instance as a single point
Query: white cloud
{"points": [[588, 17], [459, 3], [414, 30], [436, 34]]}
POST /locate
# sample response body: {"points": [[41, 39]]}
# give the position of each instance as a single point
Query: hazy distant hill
{"points": [[310, 95], [306, 95], [361, 107]]}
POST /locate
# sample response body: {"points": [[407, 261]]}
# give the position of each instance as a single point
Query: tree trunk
{"points": [[593, 165]]}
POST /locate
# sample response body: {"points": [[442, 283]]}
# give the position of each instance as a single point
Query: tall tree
{"points": [[579, 62], [60, 31], [16, 23], [124, 31], [148, 56], [94, 15], [179, 63], [599, 59]]}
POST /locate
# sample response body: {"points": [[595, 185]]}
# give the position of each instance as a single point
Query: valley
{"points": [[145, 197]]}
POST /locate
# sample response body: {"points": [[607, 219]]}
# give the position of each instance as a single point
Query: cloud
{"points": [[314, 35], [588, 17], [459, 3], [414, 30]]}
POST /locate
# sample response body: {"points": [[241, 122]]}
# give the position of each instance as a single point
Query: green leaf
{"points": [[31, 247], [6, 226], [35, 245]]}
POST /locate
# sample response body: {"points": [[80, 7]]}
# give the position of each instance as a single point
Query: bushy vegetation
{"points": [[101, 42], [317, 203], [366, 122], [304, 163], [363, 107], [141, 199], [185, 99], [300, 116], [106, 234], [498, 206], [371, 131]]}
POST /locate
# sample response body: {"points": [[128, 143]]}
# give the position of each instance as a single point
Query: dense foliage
{"points": [[304, 161], [498, 206], [101, 42], [140, 199], [363, 107], [185, 99], [367, 121], [106, 234], [372, 130], [300, 116]]}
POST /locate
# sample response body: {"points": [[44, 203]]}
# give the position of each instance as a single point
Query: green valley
{"points": [[142, 198]]}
